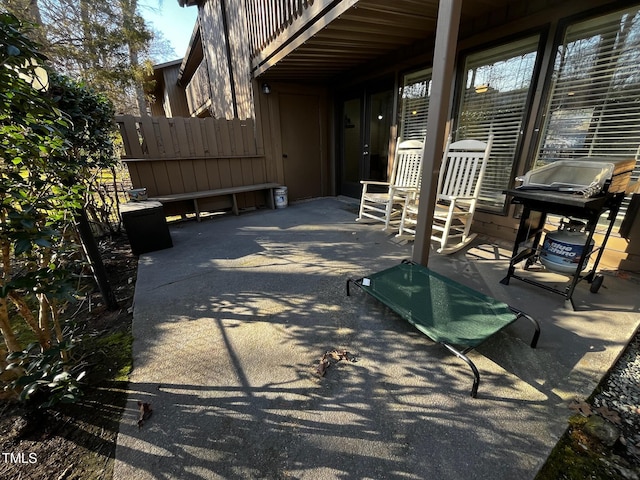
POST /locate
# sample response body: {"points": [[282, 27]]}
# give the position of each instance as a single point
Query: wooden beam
{"points": [[444, 57]]}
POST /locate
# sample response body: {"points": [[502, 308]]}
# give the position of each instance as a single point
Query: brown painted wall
{"points": [[619, 253], [294, 126], [239, 50], [175, 100]]}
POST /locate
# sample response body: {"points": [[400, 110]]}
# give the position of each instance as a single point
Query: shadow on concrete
{"points": [[230, 324]]}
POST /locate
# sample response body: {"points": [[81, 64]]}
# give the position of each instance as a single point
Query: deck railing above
{"points": [[269, 18]]}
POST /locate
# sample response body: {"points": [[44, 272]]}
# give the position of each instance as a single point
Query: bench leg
{"points": [[270, 200], [234, 207], [196, 208]]}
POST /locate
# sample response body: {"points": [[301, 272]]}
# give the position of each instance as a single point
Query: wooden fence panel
{"points": [[136, 179], [166, 137], [198, 144], [237, 139], [146, 175], [259, 171], [129, 132], [225, 138], [226, 173], [200, 172], [180, 138], [188, 174], [161, 177], [161, 137], [213, 175], [181, 155], [175, 177], [211, 136], [150, 143]]}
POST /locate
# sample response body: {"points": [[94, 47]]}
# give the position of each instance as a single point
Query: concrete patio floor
{"points": [[230, 323]]}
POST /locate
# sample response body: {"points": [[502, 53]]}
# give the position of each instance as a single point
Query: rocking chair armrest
{"points": [[373, 182]]}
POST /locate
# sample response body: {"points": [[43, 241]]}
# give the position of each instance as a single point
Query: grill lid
{"points": [[588, 176]]}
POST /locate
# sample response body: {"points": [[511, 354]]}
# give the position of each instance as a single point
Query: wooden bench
{"points": [[231, 191]]}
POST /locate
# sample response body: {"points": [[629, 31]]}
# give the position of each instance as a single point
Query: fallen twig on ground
{"points": [[145, 412], [331, 357]]}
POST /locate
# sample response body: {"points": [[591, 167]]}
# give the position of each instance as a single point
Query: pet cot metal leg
{"points": [[467, 360], [536, 334]]}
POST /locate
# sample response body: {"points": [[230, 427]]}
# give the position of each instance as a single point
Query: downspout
{"points": [[225, 27], [444, 56]]}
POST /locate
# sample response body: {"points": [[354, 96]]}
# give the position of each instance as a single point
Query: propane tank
{"points": [[563, 249]]}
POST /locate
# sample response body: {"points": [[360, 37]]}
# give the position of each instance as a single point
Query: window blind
{"points": [[493, 101], [594, 105], [415, 105]]}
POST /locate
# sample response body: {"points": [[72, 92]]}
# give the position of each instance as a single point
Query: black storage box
{"points": [[146, 226]]}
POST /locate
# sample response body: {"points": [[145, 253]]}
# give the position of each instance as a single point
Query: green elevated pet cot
{"points": [[447, 312]]}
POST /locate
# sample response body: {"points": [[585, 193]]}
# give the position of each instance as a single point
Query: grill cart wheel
{"points": [[596, 284], [530, 262]]}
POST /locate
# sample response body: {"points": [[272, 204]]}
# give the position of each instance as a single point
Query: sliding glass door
{"points": [[365, 130]]}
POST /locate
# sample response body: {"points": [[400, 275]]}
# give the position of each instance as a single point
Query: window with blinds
{"points": [[496, 88], [414, 105], [594, 103]]}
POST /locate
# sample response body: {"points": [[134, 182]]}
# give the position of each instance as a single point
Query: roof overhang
{"points": [[172, 63], [192, 57], [354, 34]]}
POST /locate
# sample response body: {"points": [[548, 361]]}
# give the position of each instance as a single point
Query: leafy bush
{"points": [[47, 378], [51, 142]]}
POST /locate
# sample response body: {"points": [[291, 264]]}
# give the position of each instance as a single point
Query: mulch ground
{"points": [[78, 441]]}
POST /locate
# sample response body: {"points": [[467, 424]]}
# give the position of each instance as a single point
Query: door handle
{"points": [[284, 155]]}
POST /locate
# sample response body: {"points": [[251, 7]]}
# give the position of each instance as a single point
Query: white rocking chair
{"points": [[461, 174], [406, 174]]}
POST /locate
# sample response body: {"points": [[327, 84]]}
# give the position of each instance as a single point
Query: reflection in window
{"points": [[494, 99]]}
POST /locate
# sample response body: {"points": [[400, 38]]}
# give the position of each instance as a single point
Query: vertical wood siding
{"points": [[222, 81], [197, 91], [175, 101], [215, 55]]}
